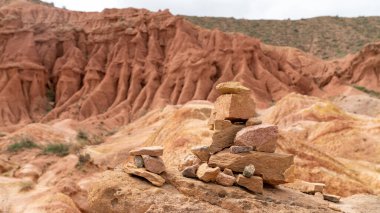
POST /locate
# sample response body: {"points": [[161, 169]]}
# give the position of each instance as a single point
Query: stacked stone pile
{"points": [[242, 149], [148, 164]]}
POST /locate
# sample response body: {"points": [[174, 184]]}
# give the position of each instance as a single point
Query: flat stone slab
{"points": [[254, 183], [273, 167], [155, 179], [150, 150], [232, 87], [331, 198], [262, 137]]}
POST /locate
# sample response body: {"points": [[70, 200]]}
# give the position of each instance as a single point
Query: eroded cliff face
{"points": [[116, 65]]}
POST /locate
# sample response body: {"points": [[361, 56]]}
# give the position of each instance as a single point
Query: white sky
{"points": [[249, 9]]}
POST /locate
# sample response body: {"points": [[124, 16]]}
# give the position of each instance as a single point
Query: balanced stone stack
{"points": [[148, 164], [242, 148]]}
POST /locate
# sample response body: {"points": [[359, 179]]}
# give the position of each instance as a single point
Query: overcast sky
{"points": [[249, 9]]}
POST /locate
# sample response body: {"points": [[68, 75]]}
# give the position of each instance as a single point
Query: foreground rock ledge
{"points": [[151, 177], [151, 151], [273, 167]]}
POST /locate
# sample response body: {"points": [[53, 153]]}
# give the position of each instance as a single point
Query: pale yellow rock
{"points": [[151, 151], [253, 121], [273, 167], [232, 87], [254, 183], [206, 173]]}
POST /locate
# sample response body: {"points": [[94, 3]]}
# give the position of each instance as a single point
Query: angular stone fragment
{"points": [[262, 137], [319, 195], [254, 183], [153, 164], [222, 124], [253, 121], [206, 173], [202, 152], [223, 139], [273, 167], [249, 171], [232, 87], [139, 162], [306, 187], [189, 160], [228, 171], [331, 198], [151, 150], [190, 171], [240, 149], [151, 177], [225, 180], [234, 107]]}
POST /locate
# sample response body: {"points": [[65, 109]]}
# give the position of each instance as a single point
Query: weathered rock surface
{"points": [[232, 87], [224, 138], [254, 183], [139, 161], [228, 171], [155, 179], [151, 151], [262, 137], [240, 149], [224, 179], [190, 171], [306, 187], [234, 107], [206, 173], [274, 168], [249, 171], [202, 152], [154, 164]]}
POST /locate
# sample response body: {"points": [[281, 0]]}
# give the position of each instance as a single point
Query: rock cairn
{"points": [[242, 148], [148, 164]]}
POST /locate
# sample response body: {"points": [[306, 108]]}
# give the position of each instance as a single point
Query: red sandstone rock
{"points": [[262, 137]]}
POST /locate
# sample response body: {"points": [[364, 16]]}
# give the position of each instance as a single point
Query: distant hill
{"points": [[325, 37]]}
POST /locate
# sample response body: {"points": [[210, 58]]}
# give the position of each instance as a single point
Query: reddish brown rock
{"points": [[234, 107], [151, 151], [254, 183], [222, 124], [206, 173], [224, 179], [154, 164], [262, 137], [190, 171], [228, 171], [202, 152], [273, 167], [224, 138]]}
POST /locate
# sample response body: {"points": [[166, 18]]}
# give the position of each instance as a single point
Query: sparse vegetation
{"points": [[372, 93], [21, 144], [326, 37], [57, 149], [81, 135]]}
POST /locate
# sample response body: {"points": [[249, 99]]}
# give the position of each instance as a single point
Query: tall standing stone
{"points": [[234, 107]]}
